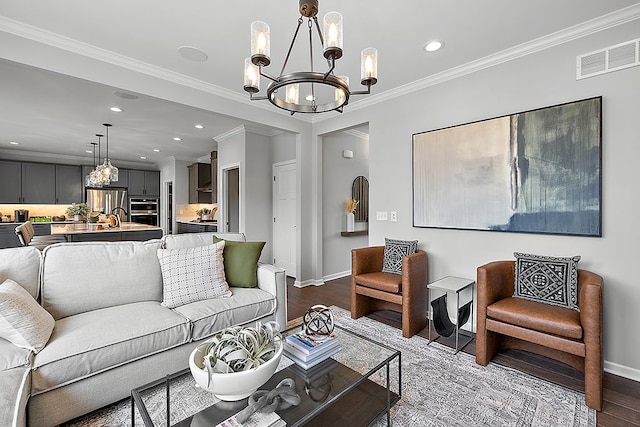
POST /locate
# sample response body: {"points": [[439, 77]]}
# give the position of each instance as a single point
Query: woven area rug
{"points": [[438, 389]]}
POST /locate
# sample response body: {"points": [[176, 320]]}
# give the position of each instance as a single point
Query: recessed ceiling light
{"points": [[88, 151], [14, 143], [155, 150], [143, 158], [433, 45], [199, 127], [116, 109], [177, 138], [192, 53]]}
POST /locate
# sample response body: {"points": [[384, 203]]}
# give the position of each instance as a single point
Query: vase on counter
{"points": [[76, 218], [351, 222], [206, 217]]}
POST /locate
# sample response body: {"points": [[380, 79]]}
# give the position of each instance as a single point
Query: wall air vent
{"points": [[613, 58]]}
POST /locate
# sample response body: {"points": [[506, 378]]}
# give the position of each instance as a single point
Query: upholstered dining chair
{"points": [[569, 336], [373, 290], [26, 236]]}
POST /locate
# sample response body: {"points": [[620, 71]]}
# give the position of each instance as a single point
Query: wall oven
{"points": [[144, 211]]}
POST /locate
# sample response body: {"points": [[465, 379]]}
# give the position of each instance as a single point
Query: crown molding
{"points": [[595, 25], [233, 132], [566, 35], [357, 134]]}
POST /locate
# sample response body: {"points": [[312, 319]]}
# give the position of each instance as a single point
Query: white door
{"points": [[284, 216]]}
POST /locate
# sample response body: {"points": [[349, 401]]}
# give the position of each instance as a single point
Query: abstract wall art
{"points": [[537, 171]]}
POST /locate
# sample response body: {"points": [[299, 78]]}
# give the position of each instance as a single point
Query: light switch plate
{"points": [[381, 216], [394, 216]]}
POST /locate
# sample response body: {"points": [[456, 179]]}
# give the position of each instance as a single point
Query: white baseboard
{"points": [[337, 275], [306, 283], [621, 370]]}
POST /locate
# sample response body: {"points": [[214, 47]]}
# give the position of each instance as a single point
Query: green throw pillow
{"points": [[241, 262]]}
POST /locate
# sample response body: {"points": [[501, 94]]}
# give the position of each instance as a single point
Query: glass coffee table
{"points": [[354, 387]]}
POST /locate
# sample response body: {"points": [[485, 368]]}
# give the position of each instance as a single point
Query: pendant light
{"points": [[109, 171], [97, 178]]}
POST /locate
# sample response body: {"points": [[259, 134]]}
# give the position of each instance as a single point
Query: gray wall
{"points": [[338, 175], [537, 80]]}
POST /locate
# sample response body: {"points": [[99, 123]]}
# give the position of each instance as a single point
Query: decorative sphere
{"points": [[318, 320]]}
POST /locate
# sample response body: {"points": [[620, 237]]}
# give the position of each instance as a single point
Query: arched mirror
{"points": [[360, 192]]}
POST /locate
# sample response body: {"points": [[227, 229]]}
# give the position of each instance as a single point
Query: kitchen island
{"points": [[98, 232]]}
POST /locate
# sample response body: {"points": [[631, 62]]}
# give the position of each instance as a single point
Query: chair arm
{"points": [[367, 260], [590, 302], [495, 281], [414, 272], [273, 280]]}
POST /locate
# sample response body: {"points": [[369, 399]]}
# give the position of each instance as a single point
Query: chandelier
{"points": [[322, 91], [106, 169], [95, 178]]}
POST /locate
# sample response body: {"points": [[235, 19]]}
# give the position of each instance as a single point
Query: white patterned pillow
{"points": [[394, 250], [23, 321], [547, 279], [192, 274]]}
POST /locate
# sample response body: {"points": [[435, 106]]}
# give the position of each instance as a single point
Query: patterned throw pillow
{"points": [[546, 279], [23, 321], [394, 250], [192, 274]]}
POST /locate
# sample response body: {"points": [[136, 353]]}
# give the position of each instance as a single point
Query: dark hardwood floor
{"points": [[621, 405]]}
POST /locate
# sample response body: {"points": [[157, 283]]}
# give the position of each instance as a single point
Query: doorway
{"points": [[232, 200], [169, 190], [284, 216]]}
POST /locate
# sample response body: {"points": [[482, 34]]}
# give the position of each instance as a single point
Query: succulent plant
{"points": [[237, 348]]}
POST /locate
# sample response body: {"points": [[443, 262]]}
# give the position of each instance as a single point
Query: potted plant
{"points": [[236, 361], [204, 214], [350, 206], [78, 211]]}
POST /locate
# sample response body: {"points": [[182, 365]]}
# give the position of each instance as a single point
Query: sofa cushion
{"points": [[190, 240], [88, 343], [210, 316], [387, 282], [394, 250], [546, 318], [546, 279], [23, 321], [14, 394], [241, 262], [12, 356], [193, 274], [81, 277], [23, 266]]}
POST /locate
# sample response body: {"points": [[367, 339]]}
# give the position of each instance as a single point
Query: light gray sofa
{"points": [[111, 333]]}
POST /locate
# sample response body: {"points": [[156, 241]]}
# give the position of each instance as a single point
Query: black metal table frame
{"points": [[137, 401]]}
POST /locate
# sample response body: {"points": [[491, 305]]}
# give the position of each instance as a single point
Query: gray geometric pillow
{"points": [[394, 250], [546, 279]]}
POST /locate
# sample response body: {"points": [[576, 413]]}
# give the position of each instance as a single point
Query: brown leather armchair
{"points": [[372, 289], [566, 335]]}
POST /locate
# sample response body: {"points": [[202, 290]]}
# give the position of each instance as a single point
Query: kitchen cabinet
{"points": [[68, 184], [196, 227], [10, 182], [144, 183], [200, 183], [8, 238], [38, 183]]}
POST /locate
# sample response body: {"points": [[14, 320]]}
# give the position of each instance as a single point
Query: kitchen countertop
{"points": [[194, 221], [83, 227]]}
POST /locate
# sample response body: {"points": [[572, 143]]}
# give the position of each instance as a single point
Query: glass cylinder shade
{"points": [[339, 93], [260, 40], [293, 93], [251, 76], [333, 30], [369, 66]]}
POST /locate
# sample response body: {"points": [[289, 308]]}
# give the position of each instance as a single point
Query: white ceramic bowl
{"points": [[236, 385]]}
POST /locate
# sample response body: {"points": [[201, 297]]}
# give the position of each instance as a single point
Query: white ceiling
{"points": [[58, 114]]}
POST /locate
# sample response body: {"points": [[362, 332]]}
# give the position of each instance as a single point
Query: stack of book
{"points": [[309, 350]]}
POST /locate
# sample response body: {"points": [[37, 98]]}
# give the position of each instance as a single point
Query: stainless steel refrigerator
{"points": [[108, 201]]}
